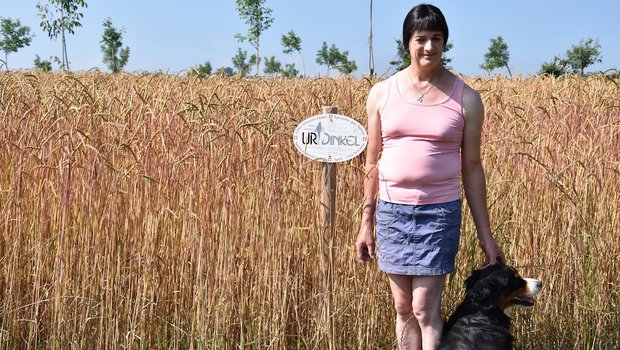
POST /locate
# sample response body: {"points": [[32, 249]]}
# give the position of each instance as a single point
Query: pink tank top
{"points": [[421, 158]]}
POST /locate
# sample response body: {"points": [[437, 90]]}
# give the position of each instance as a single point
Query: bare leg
{"points": [[426, 304], [408, 334], [417, 300]]}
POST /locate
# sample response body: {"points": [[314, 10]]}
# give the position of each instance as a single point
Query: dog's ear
{"points": [[483, 293], [471, 280]]}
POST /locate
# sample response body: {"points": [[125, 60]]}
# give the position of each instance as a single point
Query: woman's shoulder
{"points": [[473, 107], [381, 87], [467, 89], [470, 95], [378, 93]]}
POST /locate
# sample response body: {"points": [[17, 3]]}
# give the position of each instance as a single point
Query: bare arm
{"points": [[474, 181], [365, 244]]}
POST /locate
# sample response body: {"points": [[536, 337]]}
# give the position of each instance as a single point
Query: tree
{"points": [[557, 67], [584, 54], [14, 37], [42, 65], [291, 42], [253, 62], [258, 18], [346, 66], [497, 56], [333, 58], [225, 71], [445, 60], [404, 58], [63, 17], [272, 66], [202, 70], [289, 71], [115, 56], [239, 62]]}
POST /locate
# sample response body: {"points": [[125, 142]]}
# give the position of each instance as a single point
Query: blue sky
{"points": [[174, 35]]}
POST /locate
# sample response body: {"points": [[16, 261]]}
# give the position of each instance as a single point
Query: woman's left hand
{"points": [[493, 253]]}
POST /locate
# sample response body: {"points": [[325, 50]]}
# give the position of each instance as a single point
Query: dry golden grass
{"points": [[156, 212]]}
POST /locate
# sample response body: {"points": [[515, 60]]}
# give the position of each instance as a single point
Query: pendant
{"points": [[420, 98]]}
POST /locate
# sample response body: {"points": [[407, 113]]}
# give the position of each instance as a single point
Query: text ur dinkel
{"points": [[312, 138]]}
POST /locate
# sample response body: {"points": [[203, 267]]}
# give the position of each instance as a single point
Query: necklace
{"points": [[429, 87]]}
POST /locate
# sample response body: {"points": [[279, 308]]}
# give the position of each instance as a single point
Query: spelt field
{"points": [[161, 212]]}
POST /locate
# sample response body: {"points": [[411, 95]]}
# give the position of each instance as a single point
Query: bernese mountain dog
{"points": [[482, 320]]}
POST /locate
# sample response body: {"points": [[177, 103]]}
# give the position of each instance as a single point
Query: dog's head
{"points": [[501, 286]]}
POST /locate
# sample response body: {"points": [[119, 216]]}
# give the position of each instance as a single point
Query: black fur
{"points": [[479, 323]]}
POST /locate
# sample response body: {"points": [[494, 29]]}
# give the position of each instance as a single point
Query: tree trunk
{"points": [[64, 51], [303, 64], [257, 58], [65, 60], [114, 63]]}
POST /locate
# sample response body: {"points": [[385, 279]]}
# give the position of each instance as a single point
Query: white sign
{"points": [[330, 138]]}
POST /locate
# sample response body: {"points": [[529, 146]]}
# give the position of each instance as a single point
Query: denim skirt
{"points": [[418, 240]]}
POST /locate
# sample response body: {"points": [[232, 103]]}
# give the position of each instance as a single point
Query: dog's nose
{"points": [[534, 284]]}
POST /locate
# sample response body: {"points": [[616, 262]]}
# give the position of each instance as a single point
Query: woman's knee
{"points": [[403, 306], [426, 303], [425, 310]]}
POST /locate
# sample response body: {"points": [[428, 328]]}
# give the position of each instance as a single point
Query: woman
{"points": [[425, 124]]}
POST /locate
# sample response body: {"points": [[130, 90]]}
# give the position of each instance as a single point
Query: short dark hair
{"points": [[424, 17]]}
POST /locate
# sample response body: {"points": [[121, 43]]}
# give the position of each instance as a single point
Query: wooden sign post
{"points": [[329, 138], [326, 232]]}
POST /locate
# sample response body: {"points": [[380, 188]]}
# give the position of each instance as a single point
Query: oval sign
{"points": [[330, 138]]}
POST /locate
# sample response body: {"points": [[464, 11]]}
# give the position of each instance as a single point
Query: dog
{"points": [[482, 320]]}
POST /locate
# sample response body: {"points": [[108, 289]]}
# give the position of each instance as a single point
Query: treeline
{"points": [[259, 19], [575, 61], [60, 18]]}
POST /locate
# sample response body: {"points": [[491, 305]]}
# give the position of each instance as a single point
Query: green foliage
{"points": [[225, 71], [584, 54], [445, 60], [577, 58], [239, 62], [404, 58], [291, 42], [347, 66], [14, 36], [258, 18], [115, 56], [272, 66], [68, 18], [62, 17], [333, 58], [202, 70], [497, 56], [289, 71], [254, 61], [557, 67], [42, 65]]}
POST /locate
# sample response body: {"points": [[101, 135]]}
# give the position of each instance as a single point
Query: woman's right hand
{"points": [[365, 244]]}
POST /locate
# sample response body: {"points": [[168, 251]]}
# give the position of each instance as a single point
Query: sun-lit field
{"points": [[157, 212]]}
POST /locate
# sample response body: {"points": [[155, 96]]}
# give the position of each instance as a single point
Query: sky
{"points": [[172, 36]]}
